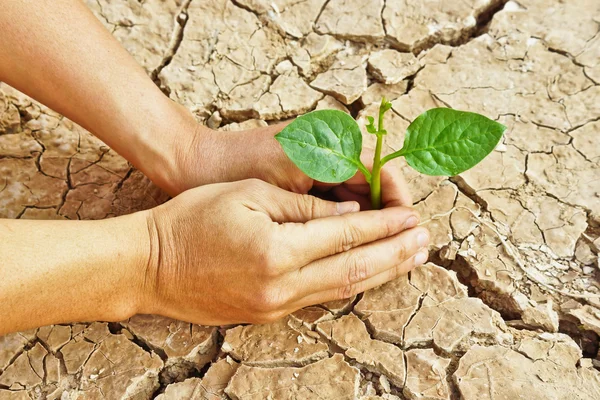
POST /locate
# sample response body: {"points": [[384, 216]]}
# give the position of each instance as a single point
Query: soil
{"points": [[508, 307]]}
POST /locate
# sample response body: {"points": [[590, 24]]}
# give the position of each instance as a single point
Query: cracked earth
{"points": [[508, 307]]}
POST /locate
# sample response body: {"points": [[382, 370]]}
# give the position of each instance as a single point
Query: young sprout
{"points": [[326, 144]]}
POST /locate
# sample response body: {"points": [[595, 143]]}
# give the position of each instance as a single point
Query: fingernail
{"points": [[347, 207], [420, 258], [422, 239], [411, 222]]}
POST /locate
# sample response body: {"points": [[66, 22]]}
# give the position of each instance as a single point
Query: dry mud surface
{"points": [[510, 305]]}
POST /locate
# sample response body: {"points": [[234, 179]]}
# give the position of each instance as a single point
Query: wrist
{"points": [[72, 271], [132, 261], [146, 292], [188, 154], [203, 156], [160, 139]]}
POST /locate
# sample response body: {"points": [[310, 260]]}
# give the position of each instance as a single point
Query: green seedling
{"points": [[326, 144]]}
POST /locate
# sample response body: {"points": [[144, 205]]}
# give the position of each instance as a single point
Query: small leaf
{"points": [[446, 142], [371, 125], [385, 106], [324, 144]]}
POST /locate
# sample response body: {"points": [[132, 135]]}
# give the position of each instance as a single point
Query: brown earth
{"points": [[510, 306]]}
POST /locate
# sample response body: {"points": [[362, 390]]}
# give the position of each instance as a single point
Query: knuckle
{"points": [[270, 261], [308, 205], [350, 237], [266, 301], [270, 266], [395, 273], [347, 291], [400, 250], [359, 269], [386, 225], [269, 254]]}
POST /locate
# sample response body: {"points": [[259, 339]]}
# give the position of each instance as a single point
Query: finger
{"points": [[321, 238], [342, 193], [395, 272], [283, 206], [346, 271], [394, 189], [358, 188]]}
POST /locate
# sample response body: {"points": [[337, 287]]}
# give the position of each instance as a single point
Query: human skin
{"points": [[162, 261], [61, 55], [218, 254]]}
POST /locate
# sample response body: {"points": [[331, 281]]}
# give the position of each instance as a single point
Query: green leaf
{"points": [[371, 125], [385, 106], [443, 141], [324, 144]]}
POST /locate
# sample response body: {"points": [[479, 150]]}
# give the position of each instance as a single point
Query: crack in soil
{"points": [[177, 38], [181, 19], [320, 12]]}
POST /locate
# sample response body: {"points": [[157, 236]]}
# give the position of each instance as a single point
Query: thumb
{"points": [[292, 207]]}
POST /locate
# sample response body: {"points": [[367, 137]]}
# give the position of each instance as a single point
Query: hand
{"points": [[394, 191], [204, 156], [109, 94], [250, 252], [208, 156]]}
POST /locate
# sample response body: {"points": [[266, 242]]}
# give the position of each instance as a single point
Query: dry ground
{"points": [[515, 240]]}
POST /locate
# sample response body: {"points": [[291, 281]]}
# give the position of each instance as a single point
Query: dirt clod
{"points": [[514, 241]]}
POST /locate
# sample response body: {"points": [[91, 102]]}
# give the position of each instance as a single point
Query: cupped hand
{"points": [[394, 190], [208, 156], [248, 251]]}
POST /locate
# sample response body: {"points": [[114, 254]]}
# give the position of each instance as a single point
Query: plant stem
{"points": [[377, 161], [376, 175], [391, 156], [365, 172]]}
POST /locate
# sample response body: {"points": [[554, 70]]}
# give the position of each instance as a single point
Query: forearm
{"points": [[57, 52], [66, 271]]}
